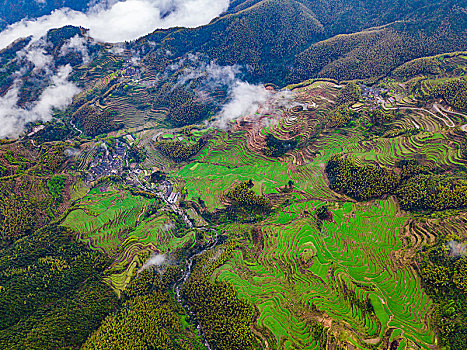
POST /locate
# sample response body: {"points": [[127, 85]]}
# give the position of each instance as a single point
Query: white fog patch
{"points": [[56, 96], [457, 248], [213, 75], [121, 21], [38, 57], [254, 101], [242, 99], [77, 44], [154, 261], [72, 152], [168, 226]]}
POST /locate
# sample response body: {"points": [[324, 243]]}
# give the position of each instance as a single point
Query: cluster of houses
{"points": [[169, 193], [112, 162], [108, 163], [375, 95]]}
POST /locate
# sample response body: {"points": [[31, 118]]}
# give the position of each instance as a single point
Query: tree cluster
{"points": [[52, 293], [138, 154], [243, 195], [453, 91], [149, 318], [416, 186], [179, 151], [276, 147], [340, 116], [420, 66], [224, 317], [95, 122], [432, 192], [374, 53], [444, 279], [350, 93], [184, 108], [56, 184]]}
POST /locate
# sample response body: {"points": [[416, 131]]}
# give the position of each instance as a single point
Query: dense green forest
{"points": [[52, 293], [225, 318], [416, 186], [257, 33]]}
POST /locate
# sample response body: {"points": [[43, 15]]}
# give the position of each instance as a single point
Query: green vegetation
{"points": [[341, 116], [334, 222], [350, 93], [179, 151], [433, 192], [362, 182], [242, 195], [225, 318], [56, 184], [276, 147], [298, 274], [149, 319], [442, 269], [379, 117], [419, 190], [421, 66], [453, 91], [30, 192], [52, 292], [138, 154], [94, 122], [182, 105], [322, 213]]}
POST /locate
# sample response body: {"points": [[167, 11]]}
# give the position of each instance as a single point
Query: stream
{"points": [[74, 127], [186, 272], [181, 282]]}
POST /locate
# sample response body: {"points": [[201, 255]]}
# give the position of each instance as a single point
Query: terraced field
{"points": [[347, 281], [114, 222], [352, 273], [339, 269], [301, 266]]}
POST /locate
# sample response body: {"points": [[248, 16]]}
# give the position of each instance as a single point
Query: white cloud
{"points": [[121, 21], [247, 100], [78, 44], [213, 75], [38, 57], [36, 54], [56, 96], [153, 261]]}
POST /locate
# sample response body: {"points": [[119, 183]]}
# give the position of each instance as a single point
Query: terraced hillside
{"points": [[280, 215], [347, 279], [328, 215]]}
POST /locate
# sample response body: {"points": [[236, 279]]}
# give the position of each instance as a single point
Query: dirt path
{"points": [[436, 107], [463, 127], [448, 122]]}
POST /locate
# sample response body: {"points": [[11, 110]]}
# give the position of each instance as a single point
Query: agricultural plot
{"points": [[351, 273], [115, 222], [342, 272], [347, 280]]}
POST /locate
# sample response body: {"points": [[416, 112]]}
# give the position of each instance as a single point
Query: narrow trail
{"points": [[448, 122], [437, 109], [463, 127]]}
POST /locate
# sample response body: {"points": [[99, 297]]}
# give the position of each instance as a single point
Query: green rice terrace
{"points": [[334, 221]]}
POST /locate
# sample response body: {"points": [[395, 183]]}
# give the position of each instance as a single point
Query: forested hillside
{"points": [[289, 41], [14, 11]]}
